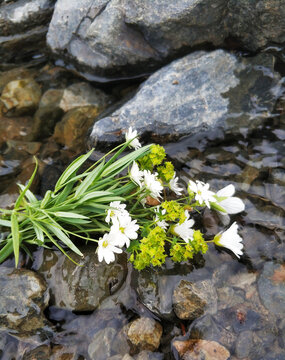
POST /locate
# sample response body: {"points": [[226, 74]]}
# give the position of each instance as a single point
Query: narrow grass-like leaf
{"points": [[15, 237], [61, 197], [39, 232], [6, 223], [89, 180], [93, 195], [107, 199], [46, 199], [29, 195], [6, 251], [64, 238], [69, 215], [71, 170], [20, 198]]}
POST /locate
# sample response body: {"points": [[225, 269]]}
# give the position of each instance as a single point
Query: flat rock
{"points": [[23, 298], [201, 350], [202, 91], [118, 38], [80, 288]]}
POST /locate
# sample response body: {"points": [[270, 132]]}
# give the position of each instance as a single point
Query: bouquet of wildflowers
{"points": [[145, 211]]}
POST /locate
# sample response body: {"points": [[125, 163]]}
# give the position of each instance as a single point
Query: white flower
{"points": [[184, 230], [203, 194], [132, 134], [161, 223], [152, 184], [116, 209], [232, 205], [106, 249], [136, 175], [123, 230], [174, 186], [230, 239]]}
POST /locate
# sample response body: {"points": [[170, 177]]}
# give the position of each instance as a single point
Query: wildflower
{"points": [[124, 229], [203, 194], [116, 209], [106, 249], [136, 175], [230, 239], [174, 186], [161, 223], [184, 229], [152, 184], [231, 205], [132, 134]]}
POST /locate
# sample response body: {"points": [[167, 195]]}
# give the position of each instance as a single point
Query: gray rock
{"points": [[80, 288], [130, 37], [244, 344], [23, 25], [23, 298], [101, 346], [191, 300], [198, 92], [271, 287], [145, 334], [148, 355]]}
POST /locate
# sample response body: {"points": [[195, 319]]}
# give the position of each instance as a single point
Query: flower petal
{"points": [[232, 205], [226, 191]]}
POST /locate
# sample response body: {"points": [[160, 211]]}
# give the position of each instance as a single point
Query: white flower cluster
{"points": [[123, 230]]}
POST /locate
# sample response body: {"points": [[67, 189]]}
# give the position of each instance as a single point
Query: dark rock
{"points": [[191, 300], [18, 128], [201, 350], [125, 38], [20, 97], [24, 296], [145, 334], [23, 26], [238, 97], [80, 288], [271, 287]]}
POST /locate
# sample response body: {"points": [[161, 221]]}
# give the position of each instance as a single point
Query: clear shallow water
{"points": [[249, 292]]}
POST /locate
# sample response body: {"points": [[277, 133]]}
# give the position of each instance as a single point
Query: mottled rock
{"points": [[190, 300], [20, 97], [23, 296], [145, 334], [148, 355], [123, 38], [82, 94], [15, 74], [101, 345], [72, 130], [271, 287], [18, 128], [202, 91], [201, 350], [80, 288], [23, 26]]}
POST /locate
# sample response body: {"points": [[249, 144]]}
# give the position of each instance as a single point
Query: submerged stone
{"points": [[202, 91]]}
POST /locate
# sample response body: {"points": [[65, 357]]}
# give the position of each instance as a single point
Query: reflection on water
{"points": [[247, 311]]}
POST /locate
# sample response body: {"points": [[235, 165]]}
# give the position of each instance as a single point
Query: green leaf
{"points": [[39, 232], [215, 206], [29, 195], [6, 251], [70, 215], [15, 237], [20, 198], [94, 195], [5, 223], [71, 170], [46, 199], [62, 196], [64, 238], [89, 180]]}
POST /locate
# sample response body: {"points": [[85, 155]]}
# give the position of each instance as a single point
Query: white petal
{"points": [[226, 191], [232, 205]]}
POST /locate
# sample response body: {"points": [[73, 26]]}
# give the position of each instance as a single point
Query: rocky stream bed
{"points": [[206, 79]]}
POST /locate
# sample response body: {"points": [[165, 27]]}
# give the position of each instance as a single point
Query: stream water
{"points": [[246, 314]]}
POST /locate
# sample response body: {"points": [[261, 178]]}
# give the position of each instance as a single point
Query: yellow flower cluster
{"points": [[181, 252], [198, 243], [153, 158], [166, 172], [174, 211]]}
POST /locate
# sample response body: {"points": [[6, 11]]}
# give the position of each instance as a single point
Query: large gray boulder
{"points": [[198, 92], [23, 25], [118, 38]]}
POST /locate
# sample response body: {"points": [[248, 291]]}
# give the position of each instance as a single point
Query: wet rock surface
{"points": [[202, 91], [80, 288], [24, 296], [125, 38], [145, 333]]}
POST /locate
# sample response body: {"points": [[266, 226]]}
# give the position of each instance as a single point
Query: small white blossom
{"points": [[185, 230], [106, 249], [136, 175], [174, 186], [124, 229], [152, 184], [116, 209], [230, 239], [132, 134], [232, 205], [161, 223], [203, 194]]}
